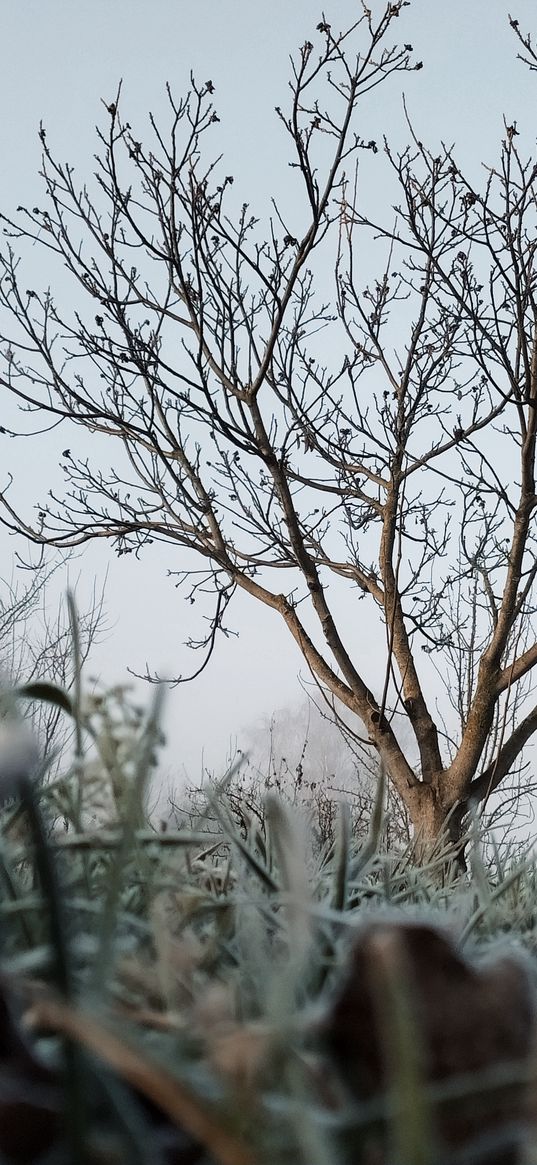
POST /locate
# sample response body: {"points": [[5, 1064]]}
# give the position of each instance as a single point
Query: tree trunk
{"points": [[433, 820]]}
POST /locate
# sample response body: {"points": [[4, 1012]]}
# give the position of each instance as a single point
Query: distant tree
{"points": [[36, 645], [313, 761], [394, 453]]}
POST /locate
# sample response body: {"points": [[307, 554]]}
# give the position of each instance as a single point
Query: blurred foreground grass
{"points": [[227, 993]]}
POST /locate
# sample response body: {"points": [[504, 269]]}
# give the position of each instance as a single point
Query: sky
{"points": [[59, 62]]}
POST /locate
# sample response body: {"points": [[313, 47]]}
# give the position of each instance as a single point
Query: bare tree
{"points": [[36, 645], [304, 755], [395, 452], [311, 759]]}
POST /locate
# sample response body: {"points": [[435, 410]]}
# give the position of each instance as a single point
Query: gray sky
{"points": [[59, 59]]}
